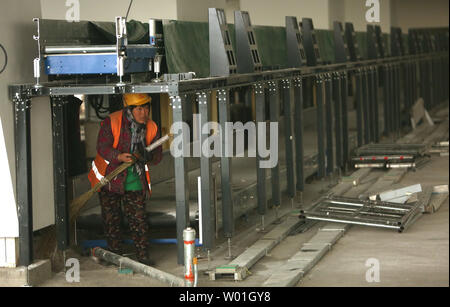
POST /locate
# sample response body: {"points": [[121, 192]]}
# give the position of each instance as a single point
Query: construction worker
{"points": [[123, 137]]}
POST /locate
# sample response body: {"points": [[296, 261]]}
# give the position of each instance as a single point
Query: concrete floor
{"points": [[417, 257]]}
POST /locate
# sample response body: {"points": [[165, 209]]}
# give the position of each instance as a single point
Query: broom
{"points": [[49, 247]]}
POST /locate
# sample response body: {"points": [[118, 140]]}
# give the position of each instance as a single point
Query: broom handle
{"points": [[158, 143], [123, 167]]}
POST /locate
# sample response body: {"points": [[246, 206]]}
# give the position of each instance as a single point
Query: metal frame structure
{"points": [[325, 76], [365, 212]]}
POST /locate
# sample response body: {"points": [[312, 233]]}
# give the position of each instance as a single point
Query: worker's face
{"points": [[140, 113]]}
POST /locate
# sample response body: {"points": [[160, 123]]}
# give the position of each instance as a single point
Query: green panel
{"points": [[325, 40], [271, 43], [187, 47], [387, 43], [361, 38]]}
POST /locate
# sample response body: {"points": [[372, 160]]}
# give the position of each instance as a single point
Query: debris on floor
{"points": [[438, 196], [375, 213], [389, 155], [399, 196]]}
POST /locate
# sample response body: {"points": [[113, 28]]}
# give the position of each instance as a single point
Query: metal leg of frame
{"points": [[298, 130], [274, 117], [393, 100], [386, 101], [366, 108], [225, 165], [181, 177], [329, 124], [344, 93], [397, 99], [288, 137], [260, 109], [359, 107], [371, 104], [60, 160], [24, 199], [320, 126], [337, 98], [208, 215], [376, 114]]}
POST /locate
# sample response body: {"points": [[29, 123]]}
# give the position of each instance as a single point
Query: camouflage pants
{"points": [[134, 210]]}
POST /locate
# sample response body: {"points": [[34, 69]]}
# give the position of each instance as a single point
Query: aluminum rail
{"points": [[79, 49], [88, 48]]}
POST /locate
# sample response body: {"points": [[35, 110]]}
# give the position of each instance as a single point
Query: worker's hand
{"points": [[125, 157]]}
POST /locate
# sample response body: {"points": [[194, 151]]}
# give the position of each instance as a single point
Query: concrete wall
{"points": [[273, 13], [107, 10], [16, 32], [197, 10], [417, 13], [355, 11]]}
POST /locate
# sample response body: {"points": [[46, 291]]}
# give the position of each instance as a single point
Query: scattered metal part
{"points": [[364, 212]]}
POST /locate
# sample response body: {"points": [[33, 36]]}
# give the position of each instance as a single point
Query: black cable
{"points": [[6, 59], [131, 2]]}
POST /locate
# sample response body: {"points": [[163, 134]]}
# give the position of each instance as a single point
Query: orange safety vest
{"points": [[99, 165]]}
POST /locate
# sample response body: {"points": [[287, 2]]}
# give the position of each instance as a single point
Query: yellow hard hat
{"points": [[135, 99]]}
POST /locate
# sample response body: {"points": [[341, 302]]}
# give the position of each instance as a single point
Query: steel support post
{"points": [[376, 118], [260, 108], [393, 89], [288, 137], [274, 117], [207, 203], [407, 85], [344, 93], [414, 83], [181, 174], [386, 101], [371, 103], [398, 104], [24, 197], [329, 124], [320, 126], [366, 106], [337, 98], [60, 169], [424, 83], [298, 130], [359, 107], [430, 80], [225, 164]]}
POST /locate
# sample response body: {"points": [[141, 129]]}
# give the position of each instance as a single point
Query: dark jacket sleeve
{"points": [[105, 142]]}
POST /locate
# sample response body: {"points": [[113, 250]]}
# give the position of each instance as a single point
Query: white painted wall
{"points": [[336, 12], [418, 14], [16, 31], [273, 13], [355, 12], [197, 10], [107, 10]]}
